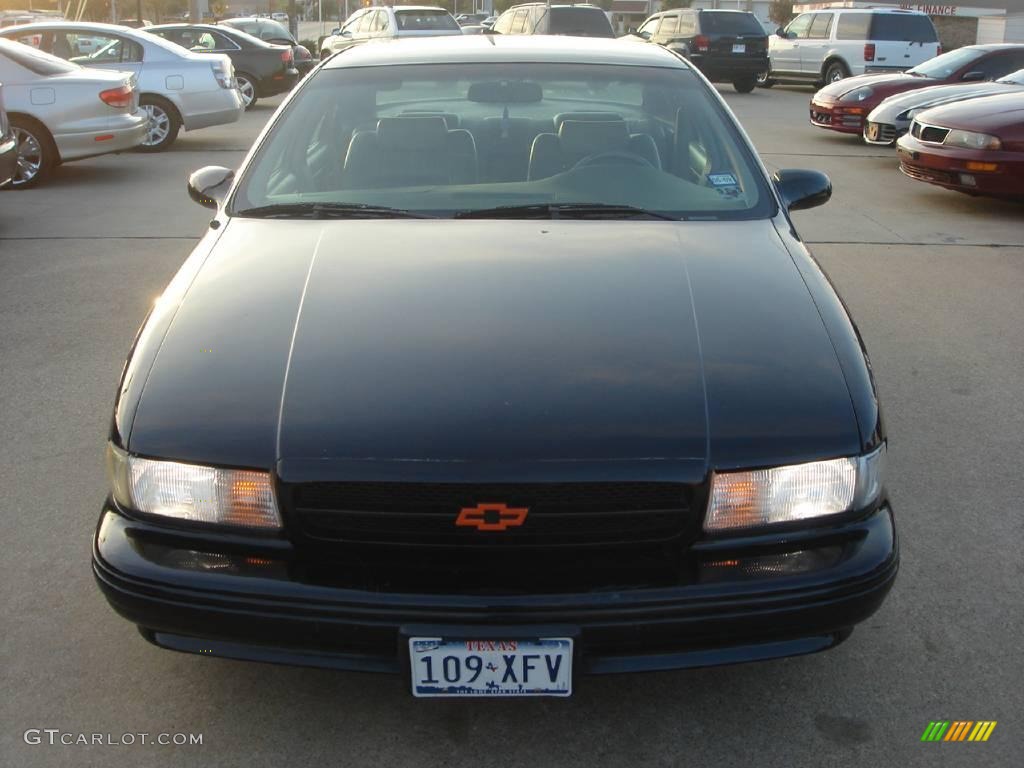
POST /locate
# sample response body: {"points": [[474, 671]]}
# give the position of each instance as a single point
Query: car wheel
{"points": [[247, 87], [835, 72], [764, 81], [745, 85], [164, 124], [37, 154]]}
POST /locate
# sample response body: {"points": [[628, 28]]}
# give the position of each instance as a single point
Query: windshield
{"points": [[945, 65], [424, 19], [730, 22], [35, 61], [1014, 78], [451, 138], [580, 22]]}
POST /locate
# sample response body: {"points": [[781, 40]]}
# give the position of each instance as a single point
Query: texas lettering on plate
{"points": [[489, 667]]}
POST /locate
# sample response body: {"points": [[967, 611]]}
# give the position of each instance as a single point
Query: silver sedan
{"points": [[178, 88], [60, 111]]}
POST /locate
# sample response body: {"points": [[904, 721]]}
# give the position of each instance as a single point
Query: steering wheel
{"points": [[614, 157]]}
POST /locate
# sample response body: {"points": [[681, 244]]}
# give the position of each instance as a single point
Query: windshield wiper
{"points": [[565, 211], [328, 211]]}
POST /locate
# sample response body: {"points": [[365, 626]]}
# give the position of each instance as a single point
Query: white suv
{"points": [[374, 24], [825, 46]]}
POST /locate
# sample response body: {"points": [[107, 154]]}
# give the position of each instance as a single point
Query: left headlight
{"points": [[857, 94], [191, 492], [971, 140], [741, 500]]}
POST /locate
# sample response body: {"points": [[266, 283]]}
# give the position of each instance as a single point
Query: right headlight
{"points": [[742, 500], [192, 492], [971, 140]]}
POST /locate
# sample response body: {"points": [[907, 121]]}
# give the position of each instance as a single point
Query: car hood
{"points": [[991, 114], [880, 84], [369, 348], [936, 95]]}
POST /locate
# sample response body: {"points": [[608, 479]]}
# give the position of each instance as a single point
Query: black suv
{"points": [[727, 46], [542, 19]]}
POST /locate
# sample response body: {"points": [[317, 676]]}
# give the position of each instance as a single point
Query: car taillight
{"points": [[119, 97], [302, 54], [224, 73], [938, 51], [286, 56], [869, 51], [703, 43]]}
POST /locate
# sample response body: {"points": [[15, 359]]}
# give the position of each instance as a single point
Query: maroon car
{"points": [[843, 105], [974, 146]]}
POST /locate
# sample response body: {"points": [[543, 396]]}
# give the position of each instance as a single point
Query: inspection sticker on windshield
{"points": [[489, 667], [722, 179]]}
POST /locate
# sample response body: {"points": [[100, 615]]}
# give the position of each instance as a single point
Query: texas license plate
{"points": [[739, 48], [488, 667]]}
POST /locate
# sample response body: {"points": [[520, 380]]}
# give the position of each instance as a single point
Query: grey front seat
{"points": [[410, 152], [576, 139]]}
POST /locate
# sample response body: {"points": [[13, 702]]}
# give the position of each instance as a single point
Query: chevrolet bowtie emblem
{"points": [[492, 517]]}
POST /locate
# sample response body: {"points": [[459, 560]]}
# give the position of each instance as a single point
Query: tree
{"points": [[781, 12]]}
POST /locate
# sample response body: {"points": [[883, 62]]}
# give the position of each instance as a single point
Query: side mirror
{"points": [[336, 30], [346, 33], [209, 185], [645, 35], [781, 32], [973, 77], [801, 189]]}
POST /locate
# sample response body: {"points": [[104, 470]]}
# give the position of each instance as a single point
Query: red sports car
{"points": [[843, 105], [974, 146]]}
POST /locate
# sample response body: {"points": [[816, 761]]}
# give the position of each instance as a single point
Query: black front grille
{"points": [[423, 515], [927, 174], [929, 133]]}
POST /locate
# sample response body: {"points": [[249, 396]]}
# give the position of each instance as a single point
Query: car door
{"points": [[816, 45], [785, 48]]}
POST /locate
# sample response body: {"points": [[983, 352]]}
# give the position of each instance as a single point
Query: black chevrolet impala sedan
{"points": [[501, 363]]}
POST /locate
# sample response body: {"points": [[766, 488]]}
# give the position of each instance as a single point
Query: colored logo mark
{"points": [[958, 730]]}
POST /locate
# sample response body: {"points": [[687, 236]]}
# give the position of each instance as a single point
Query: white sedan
{"points": [[177, 88], [60, 111]]}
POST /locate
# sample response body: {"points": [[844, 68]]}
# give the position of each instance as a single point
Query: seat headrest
{"points": [[589, 117], [588, 137], [412, 132]]}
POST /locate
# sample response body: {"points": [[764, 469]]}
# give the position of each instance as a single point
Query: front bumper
{"points": [[839, 117], [242, 602], [963, 170]]}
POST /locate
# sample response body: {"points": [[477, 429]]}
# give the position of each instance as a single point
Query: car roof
{"points": [[900, 11], [519, 49], [90, 26]]}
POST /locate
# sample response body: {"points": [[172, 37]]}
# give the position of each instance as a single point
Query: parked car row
{"points": [[166, 78], [957, 120]]}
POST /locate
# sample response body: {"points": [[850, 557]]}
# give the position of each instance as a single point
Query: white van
{"points": [[824, 46]]}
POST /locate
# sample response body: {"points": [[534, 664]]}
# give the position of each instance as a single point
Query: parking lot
{"points": [[935, 281]]}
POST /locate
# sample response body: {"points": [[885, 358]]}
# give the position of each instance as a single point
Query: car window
{"points": [[853, 26], [910, 27], [945, 65], [799, 26], [35, 61], [352, 25], [90, 49], [423, 19], [365, 22], [668, 25], [503, 25], [651, 25], [999, 65], [519, 22], [687, 24], [664, 143], [729, 23], [821, 26], [580, 22], [384, 22]]}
